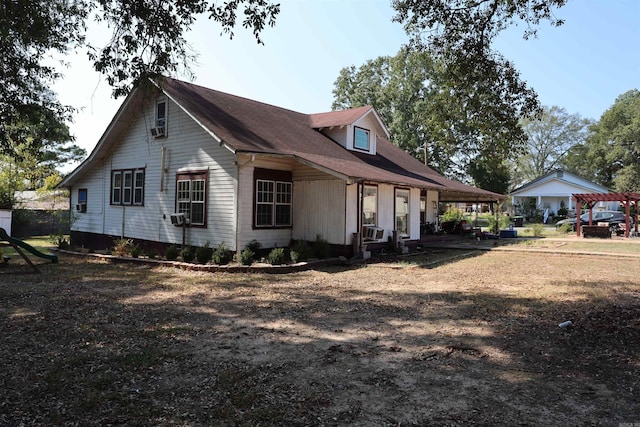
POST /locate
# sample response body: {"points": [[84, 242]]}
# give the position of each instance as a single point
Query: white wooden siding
{"points": [[188, 147], [92, 220], [302, 172], [338, 135], [319, 208], [351, 216]]}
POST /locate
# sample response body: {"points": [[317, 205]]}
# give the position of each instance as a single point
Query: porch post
{"points": [[578, 214], [627, 210]]}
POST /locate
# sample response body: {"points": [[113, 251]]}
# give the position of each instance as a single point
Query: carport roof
{"points": [[608, 197]]}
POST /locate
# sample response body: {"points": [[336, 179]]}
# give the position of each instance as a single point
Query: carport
{"points": [[627, 199]]}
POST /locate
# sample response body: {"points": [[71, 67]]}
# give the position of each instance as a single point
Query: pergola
{"points": [[627, 199]]}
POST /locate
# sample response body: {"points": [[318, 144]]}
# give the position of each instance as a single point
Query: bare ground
{"points": [[472, 340]]}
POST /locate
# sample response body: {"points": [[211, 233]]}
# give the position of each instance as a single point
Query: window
{"points": [[116, 187], [191, 192], [402, 212], [369, 205], [159, 130], [361, 139], [127, 187], [138, 187], [82, 200], [273, 196], [161, 113]]}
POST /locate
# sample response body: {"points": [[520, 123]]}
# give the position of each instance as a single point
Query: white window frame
{"points": [[274, 196], [398, 193], [365, 220], [161, 113], [192, 194]]}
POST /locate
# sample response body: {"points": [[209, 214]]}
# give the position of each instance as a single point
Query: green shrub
{"points": [[452, 214], [537, 230], [254, 246], [204, 253], [171, 253], [135, 251], [122, 247], [59, 240], [300, 251], [245, 257], [321, 248], [152, 253], [188, 253], [277, 256], [222, 255], [504, 221], [566, 228]]}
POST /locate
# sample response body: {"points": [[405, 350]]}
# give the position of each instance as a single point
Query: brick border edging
{"points": [[212, 268]]}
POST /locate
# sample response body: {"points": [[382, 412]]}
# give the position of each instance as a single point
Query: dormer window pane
{"points": [[361, 139]]}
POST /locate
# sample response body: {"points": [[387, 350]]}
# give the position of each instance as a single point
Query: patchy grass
{"points": [[583, 245], [450, 338], [41, 243]]}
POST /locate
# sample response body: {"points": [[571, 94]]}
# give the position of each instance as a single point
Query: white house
{"points": [[554, 191], [236, 170]]}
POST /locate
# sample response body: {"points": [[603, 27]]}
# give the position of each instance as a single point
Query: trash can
{"points": [[518, 221]]}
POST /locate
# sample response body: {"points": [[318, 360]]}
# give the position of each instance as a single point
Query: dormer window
{"points": [[361, 139]]}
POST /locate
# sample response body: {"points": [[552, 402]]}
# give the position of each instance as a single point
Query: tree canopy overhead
{"points": [[148, 39], [459, 34], [611, 154], [457, 124]]}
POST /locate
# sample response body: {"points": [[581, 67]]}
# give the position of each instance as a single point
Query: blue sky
{"points": [[581, 66]]}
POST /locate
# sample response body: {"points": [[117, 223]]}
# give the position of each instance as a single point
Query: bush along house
{"points": [[183, 164]]}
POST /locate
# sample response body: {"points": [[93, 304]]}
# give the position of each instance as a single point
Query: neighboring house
{"points": [[554, 191], [239, 170]]}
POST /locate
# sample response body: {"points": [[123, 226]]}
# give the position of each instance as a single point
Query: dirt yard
{"points": [[472, 340]]}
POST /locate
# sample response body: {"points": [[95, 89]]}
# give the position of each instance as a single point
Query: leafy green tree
{"points": [[420, 105], [549, 138], [490, 174], [610, 156], [147, 41], [459, 34]]}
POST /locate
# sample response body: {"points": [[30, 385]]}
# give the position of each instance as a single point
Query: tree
{"points": [[421, 106], [490, 174], [549, 138], [610, 155], [459, 34], [147, 41]]}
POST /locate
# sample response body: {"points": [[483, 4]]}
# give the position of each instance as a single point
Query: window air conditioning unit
{"points": [[157, 132], [81, 207], [373, 233], [177, 219]]}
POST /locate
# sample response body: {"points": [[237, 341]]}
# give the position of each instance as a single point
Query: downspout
{"points": [[235, 191]]}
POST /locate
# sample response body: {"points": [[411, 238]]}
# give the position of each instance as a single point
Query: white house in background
{"points": [[554, 191], [236, 170]]}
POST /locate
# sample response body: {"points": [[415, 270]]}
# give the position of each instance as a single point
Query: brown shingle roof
{"points": [[338, 118], [255, 127]]}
